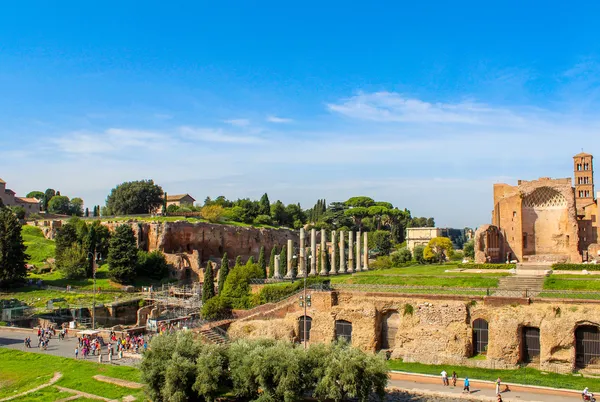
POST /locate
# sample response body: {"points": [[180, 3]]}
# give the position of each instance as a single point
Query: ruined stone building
{"points": [[543, 221]]}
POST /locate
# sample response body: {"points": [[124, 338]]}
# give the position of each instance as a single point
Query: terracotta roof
{"points": [[579, 155], [2, 181], [178, 197], [28, 200]]}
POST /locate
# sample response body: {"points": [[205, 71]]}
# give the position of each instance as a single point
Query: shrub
{"points": [[487, 266], [215, 309], [575, 267], [236, 290], [212, 213], [73, 262], [382, 262], [401, 256], [457, 256], [263, 220], [418, 254], [277, 292], [152, 265], [381, 240], [469, 249], [19, 212]]}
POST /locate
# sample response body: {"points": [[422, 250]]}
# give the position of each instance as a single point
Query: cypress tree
{"points": [[272, 261], [250, 261], [122, 255], [208, 287], [262, 262], [238, 261], [283, 259], [223, 272], [12, 256], [264, 207], [164, 205], [87, 212]]}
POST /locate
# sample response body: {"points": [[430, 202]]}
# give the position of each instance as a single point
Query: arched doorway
{"points": [[389, 328], [480, 336], [343, 330], [587, 345], [530, 341], [301, 333]]}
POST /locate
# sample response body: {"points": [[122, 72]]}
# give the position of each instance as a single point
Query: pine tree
{"points": [[238, 261], [264, 207], [12, 249], [272, 261], [208, 287], [283, 259], [87, 213], [223, 272], [262, 262], [122, 255]]}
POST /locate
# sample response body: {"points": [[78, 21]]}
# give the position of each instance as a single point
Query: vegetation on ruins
{"points": [[122, 255], [134, 197], [223, 272], [262, 262], [208, 286], [152, 265], [12, 249], [179, 367], [212, 213]]}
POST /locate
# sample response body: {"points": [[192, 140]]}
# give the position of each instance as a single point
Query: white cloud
{"points": [[275, 119], [218, 135], [110, 140], [238, 122]]}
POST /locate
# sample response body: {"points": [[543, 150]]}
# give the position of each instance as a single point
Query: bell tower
{"points": [[584, 179]]}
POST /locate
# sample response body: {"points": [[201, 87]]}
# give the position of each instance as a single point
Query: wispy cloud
{"points": [[238, 122], [218, 135], [110, 140], [275, 119]]}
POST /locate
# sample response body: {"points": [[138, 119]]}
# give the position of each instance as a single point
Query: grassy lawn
{"points": [[56, 279], [39, 248], [519, 376], [20, 371], [557, 283], [429, 270], [37, 297]]}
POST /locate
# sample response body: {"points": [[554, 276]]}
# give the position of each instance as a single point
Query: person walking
{"points": [[467, 385], [76, 352], [454, 378], [444, 378], [498, 382]]}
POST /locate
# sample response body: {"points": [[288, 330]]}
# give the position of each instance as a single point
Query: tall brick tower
{"points": [[584, 179]]}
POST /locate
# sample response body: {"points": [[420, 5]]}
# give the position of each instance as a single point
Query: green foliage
{"points": [[208, 286], [60, 204], [278, 213], [272, 261], [39, 195], [408, 309], [12, 249], [152, 265], [135, 197], [458, 255], [401, 256], [19, 212], [263, 220], [361, 201], [65, 237], [264, 207], [439, 248], [216, 308], [262, 262], [469, 249], [381, 240], [487, 266], [575, 267], [236, 290], [73, 262], [238, 261], [418, 254], [223, 272], [39, 249], [279, 291], [382, 262], [48, 194], [212, 213], [76, 207], [283, 260], [122, 255]]}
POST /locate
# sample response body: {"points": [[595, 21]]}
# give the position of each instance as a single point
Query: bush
{"points": [[19, 212], [418, 254], [381, 240], [457, 256], [216, 308], [263, 220], [277, 292], [213, 213], [152, 265], [487, 266], [575, 267], [73, 262], [401, 256], [469, 249], [382, 262], [236, 290]]}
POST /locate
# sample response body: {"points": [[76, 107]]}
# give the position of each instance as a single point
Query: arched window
{"points": [[480, 336], [343, 329], [587, 345], [389, 328], [301, 327]]}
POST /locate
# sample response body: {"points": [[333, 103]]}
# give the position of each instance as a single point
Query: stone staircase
{"points": [[529, 286], [214, 336]]}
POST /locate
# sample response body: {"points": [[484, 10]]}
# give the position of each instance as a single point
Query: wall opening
{"points": [[301, 334], [343, 330], [587, 346], [530, 343], [480, 336], [389, 328]]}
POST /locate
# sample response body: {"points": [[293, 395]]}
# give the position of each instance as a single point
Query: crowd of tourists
{"points": [[467, 383], [44, 335], [95, 345]]}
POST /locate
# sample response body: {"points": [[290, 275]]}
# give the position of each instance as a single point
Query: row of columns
{"points": [[356, 262]]}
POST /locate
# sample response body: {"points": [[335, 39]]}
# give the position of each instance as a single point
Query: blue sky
{"points": [[423, 104]]}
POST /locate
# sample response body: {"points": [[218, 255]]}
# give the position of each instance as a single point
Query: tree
{"points": [[402, 256], [48, 194], [469, 249], [272, 261], [65, 237], [278, 213], [73, 262], [212, 213], [38, 195], [87, 212], [76, 207], [122, 255], [295, 216], [440, 247], [418, 254], [12, 249], [134, 197], [283, 259], [381, 240], [356, 202], [263, 220], [262, 262], [152, 264], [211, 372], [357, 213], [238, 261], [223, 272], [19, 212], [60, 204], [208, 287], [250, 260], [264, 207]]}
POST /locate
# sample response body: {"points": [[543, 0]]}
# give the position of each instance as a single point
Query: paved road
{"points": [[14, 339]]}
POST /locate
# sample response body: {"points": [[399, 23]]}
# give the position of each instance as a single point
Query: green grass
{"points": [[44, 395], [56, 279], [434, 281], [527, 376], [588, 284], [37, 297], [20, 371], [39, 248]]}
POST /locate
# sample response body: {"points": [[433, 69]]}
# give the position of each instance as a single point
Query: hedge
{"points": [[575, 267], [487, 266], [276, 292]]}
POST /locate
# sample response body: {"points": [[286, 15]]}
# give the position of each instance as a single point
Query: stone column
{"points": [[323, 254], [350, 252], [333, 269], [342, 254], [313, 252], [366, 252], [302, 256], [277, 274], [290, 254], [358, 251]]}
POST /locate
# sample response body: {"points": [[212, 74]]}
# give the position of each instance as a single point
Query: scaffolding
{"points": [[174, 302]]}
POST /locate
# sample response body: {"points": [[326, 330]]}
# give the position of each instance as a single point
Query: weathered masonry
{"points": [[559, 335]]}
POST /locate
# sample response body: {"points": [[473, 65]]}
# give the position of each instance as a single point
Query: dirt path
{"points": [[85, 394], [119, 382], [55, 378]]}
